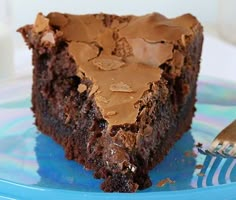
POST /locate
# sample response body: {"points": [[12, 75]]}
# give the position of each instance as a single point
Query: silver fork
{"points": [[224, 143]]}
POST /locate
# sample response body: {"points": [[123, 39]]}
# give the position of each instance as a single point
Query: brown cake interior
{"points": [[68, 105]]}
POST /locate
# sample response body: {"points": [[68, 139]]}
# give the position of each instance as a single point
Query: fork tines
{"points": [[224, 143]]}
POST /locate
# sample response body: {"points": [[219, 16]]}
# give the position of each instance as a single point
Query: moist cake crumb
{"points": [[165, 181], [199, 166], [199, 145], [201, 174], [190, 154]]}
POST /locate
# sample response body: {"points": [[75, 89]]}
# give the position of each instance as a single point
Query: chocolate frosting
{"points": [[121, 56]]}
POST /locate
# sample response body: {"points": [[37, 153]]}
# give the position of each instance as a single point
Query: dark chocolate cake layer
{"points": [[115, 92]]}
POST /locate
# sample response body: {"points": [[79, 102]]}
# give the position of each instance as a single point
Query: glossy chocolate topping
{"points": [[120, 55]]}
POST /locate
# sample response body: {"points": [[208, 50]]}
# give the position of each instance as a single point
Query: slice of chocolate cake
{"points": [[115, 91]]}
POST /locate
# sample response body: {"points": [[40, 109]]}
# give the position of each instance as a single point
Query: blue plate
{"points": [[33, 166]]}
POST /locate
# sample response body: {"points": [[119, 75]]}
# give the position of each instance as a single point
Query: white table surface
{"points": [[218, 58]]}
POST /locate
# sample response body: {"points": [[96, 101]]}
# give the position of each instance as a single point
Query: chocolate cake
{"points": [[115, 91]]}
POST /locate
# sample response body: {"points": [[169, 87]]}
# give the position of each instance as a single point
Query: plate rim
{"points": [[38, 192]]}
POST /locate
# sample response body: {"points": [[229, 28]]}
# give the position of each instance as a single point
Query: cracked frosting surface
{"points": [[120, 55]]}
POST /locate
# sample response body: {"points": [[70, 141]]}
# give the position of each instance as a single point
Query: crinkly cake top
{"points": [[121, 55]]}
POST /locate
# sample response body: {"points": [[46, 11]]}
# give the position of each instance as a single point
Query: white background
{"points": [[24, 10]]}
